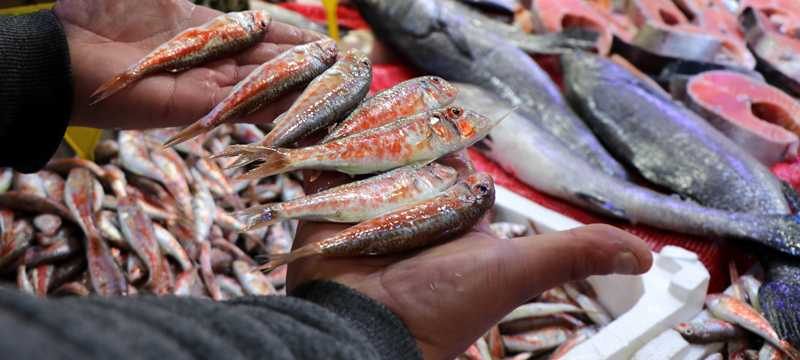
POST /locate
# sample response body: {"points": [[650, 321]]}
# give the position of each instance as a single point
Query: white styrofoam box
{"points": [[644, 306], [665, 346]]}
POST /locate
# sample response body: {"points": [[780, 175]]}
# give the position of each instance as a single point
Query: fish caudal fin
{"points": [[275, 161], [112, 86], [187, 133], [276, 260], [246, 154]]}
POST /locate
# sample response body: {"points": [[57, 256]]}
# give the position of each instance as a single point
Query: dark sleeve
{"points": [[324, 320], [35, 89]]}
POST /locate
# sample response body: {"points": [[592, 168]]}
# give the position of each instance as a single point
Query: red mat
{"points": [[714, 253]]}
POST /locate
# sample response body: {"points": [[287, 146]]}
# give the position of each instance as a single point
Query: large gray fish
{"points": [[550, 167], [673, 147], [670, 145], [445, 44]]}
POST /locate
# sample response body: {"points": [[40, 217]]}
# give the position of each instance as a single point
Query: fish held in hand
{"points": [[221, 36], [358, 201], [327, 99], [269, 81], [402, 100], [422, 224], [421, 138]]}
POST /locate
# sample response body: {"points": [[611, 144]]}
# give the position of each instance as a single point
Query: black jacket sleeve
{"points": [[323, 320], [35, 89]]}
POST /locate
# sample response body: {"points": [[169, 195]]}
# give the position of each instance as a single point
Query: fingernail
{"points": [[625, 263]]}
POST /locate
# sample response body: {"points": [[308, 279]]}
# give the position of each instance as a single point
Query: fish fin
{"points": [[187, 133], [791, 196], [112, 86], [276, 161], [602, 205], [734, 275], [275, 260]]}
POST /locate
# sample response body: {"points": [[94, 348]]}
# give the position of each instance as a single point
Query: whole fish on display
{"points": [[669, 145], [551, 168], [443, 43]]}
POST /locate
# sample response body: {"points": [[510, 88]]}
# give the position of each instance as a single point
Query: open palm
{"points": [[105, 37], [451, 294]]}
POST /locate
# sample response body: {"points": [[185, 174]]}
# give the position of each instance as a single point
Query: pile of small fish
{"points": [[548, 327], [141, 219], [734, 318]]}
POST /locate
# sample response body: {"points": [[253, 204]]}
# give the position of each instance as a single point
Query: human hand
{"points": [[451, 294], [105, 37]]}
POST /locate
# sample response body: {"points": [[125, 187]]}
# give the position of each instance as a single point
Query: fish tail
{"points": [[275, 260], [112, 86], [275, 161], [188, 133]]}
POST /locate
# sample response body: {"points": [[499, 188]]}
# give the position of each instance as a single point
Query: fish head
{"points": [[358, 62], [438, 91], [257, 21], [469, 125], [481, 188], [685, 329]]}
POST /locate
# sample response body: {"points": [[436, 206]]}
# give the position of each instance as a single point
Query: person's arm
{"points": [[323, 320], [35, 89]]}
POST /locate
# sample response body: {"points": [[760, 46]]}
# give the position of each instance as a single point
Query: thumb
{"points": [[452, 294]]}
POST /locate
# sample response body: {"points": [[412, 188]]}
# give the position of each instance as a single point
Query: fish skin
{"points": [[33, 203], [17, 237], [574, 340], [437, 219], [529, 324], [553, 169], [135, 157], [6, 179], [137, 230], [730, 309], [327, 99], [415, 29], [534, 44], [170, 246], [709, 331], [23, 281], [253, 282], [62, 248], [537, 340], [769, 352], [358, 201], [174, 169], [247, 133], [782, 283], [74, 288], [539, 310], [188, 283], [284, 73], [53, 185], [105, 276], [203, 207], [288, 16], [594, 310], [407, 98], [229, 287], [750, 285], [30, 184], [221, 36], [417, 139], [207, 273], [48, 224], [668, 144], [192, 147], [215, 178]]}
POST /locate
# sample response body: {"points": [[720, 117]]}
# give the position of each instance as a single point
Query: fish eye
{"points": [[365, 62], [435, 80], [482, 189], [455, 111]]}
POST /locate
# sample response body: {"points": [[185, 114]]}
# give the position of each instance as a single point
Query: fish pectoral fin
{"points": [[602, 205]]}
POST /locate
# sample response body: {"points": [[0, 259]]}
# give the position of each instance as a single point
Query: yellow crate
{"points": [[19, 10]]}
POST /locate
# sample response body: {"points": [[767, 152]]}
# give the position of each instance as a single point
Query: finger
{"points": [[281, 33]]}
